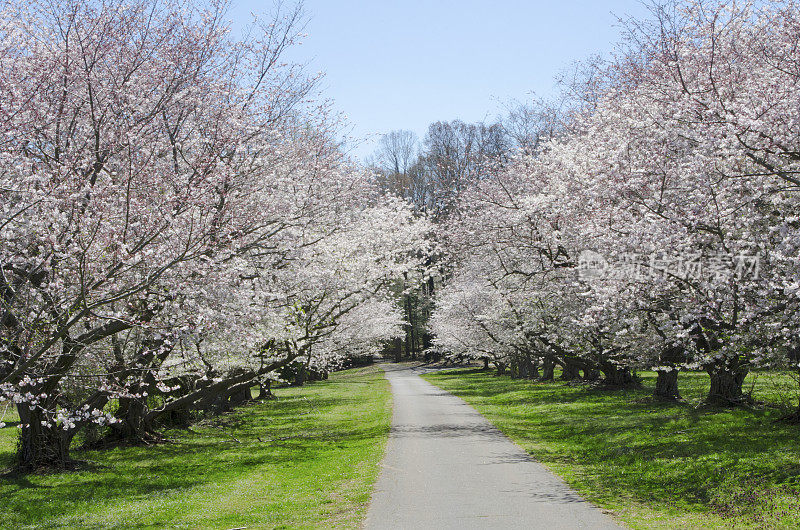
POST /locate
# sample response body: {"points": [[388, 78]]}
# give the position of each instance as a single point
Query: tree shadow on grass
{"points": [[300, 427]]}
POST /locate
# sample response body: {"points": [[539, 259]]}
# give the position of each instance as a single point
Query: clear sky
{"points": [[393, 64]]}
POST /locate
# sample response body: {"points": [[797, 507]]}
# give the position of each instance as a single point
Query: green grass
{"points": [[653, 464], [314, 466]]}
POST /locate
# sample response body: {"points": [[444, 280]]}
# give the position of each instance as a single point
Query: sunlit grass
{"points": [[308, 459], [653, 464]]}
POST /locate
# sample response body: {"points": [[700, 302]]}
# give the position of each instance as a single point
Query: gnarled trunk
{"points": [[533, 371], [524, 367], [521, 367], [570, 372], [300, 375], [617, 376], [176, 417], [241, 395], [514, 369], [41, 446], [265, 391], [134, 426], [726, 384]]}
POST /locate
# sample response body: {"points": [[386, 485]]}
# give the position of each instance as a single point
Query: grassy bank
{"points": [[308, 459], [653, 464]]}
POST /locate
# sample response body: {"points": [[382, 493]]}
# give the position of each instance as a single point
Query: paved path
{"points": [[447, 467]]}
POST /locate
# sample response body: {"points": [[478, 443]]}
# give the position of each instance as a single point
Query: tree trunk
{"points": [[525, 367], [40, 446], [591, 374], [667, 385], [501, 368], [618, 377], [265, 391], [398, 350], [515, 368], [411, 346], [570, 372], [485, 363], [794, 356], [135, 426], [427, 341], [241, 395], [533, 372], [726, 384], [300, 375], [177, 417], [548, 370]]}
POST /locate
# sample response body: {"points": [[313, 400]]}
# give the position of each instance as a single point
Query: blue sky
{"points": [[404, 64]]}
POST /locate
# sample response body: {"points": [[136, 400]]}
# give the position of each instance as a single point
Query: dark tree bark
{"points": [[411, 342], [570, 372], [265, 391], [667, 380], [667, 385], [241, 395], [40, 446], [135, 427], [726, 384], [513, 369], [794, 357], [618, 376], [591, 374], [427, 341], [533, 372], [176, 417], [524, 366], [548, 370]]}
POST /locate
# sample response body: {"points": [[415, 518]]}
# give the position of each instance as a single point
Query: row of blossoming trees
{"points": [[176, 221], [661, 228]]}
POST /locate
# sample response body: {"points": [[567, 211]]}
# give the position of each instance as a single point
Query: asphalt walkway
{"points": [[448, 467]]}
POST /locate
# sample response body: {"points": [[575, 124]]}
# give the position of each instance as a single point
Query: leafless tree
{"points": [[528, 126], [455, 153]]}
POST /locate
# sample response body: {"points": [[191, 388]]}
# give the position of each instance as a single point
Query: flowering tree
{"points": [[678, 173], [169, 198]]}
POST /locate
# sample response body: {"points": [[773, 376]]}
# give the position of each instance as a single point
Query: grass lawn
{"points": [[655, 465], [314, 466]]}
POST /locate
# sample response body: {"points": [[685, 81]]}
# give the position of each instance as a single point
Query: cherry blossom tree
{"points": [[678, 172], [172, 203]]}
